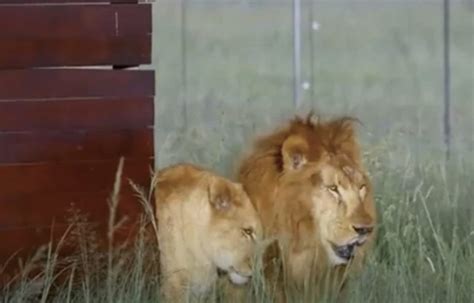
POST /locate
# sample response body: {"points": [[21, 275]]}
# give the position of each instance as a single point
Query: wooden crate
{"points": [[64, 123]]}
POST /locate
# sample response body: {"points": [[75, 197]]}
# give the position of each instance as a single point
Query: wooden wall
{"points": [[64, 122]]}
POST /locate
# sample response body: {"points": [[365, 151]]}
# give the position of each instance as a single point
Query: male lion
{"points": [[313, 195], [205, 223]]}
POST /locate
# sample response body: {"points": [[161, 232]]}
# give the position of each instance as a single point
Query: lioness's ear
{"points": [[220, 196], [294, 152]]}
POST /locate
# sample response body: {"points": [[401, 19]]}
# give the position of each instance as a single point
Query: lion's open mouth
{"points": [[345, 252]]}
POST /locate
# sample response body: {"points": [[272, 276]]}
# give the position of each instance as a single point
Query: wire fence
{"points": [[404, 65]]}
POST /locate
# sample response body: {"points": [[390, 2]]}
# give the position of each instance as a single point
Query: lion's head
{"points": [[337, 195], [234, 230], [344, 210], [310, 188]]}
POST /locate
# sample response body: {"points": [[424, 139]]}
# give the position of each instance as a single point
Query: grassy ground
{"points": [[424, 252], [380, 61]]}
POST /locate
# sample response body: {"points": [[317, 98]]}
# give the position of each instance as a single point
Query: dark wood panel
{"points": [[65, 21], [27, 147], [23, 242], [19, 52], [59, 208], [112, 113], [64, 1], [70, 83], [87, 176]]}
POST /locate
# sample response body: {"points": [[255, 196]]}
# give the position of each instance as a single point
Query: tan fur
{"points": [[289, 177], [205, 223]]}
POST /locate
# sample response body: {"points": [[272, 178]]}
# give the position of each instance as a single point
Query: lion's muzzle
{"points": [[345, 252]]}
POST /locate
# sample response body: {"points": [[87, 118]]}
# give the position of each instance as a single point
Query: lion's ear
{"points": [[294, 152], [220, 195]]}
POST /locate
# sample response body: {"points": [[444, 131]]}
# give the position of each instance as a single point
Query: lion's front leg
{"points": [[273, 273]]}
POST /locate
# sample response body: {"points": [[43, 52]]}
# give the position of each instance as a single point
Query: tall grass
{"points": [[424, 250]]}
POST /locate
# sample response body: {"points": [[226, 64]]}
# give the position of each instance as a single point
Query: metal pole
{"points": [[296, 52], [184, 83], [311, 50], [447, 80]]}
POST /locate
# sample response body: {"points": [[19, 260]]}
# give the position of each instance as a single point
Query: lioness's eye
{"points": [[248, 232], [333, 188]]}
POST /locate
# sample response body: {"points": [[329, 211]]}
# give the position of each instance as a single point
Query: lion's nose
{"points": [[363, 230]]}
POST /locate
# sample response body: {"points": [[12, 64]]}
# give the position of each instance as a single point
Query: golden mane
{"points": [[335, 136]]}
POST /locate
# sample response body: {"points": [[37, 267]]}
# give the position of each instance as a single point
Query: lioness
{"points": [[206, 223], [313, 195]]}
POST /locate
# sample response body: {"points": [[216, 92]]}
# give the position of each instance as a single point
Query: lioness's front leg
{"points": [[173, 288], [233, 293]]}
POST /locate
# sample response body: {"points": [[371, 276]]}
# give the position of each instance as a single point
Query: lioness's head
{"points": [[234, 230], [321, 169]]}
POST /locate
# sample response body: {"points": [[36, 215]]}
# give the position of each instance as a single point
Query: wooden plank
{"points": [[19, 52], [59, 35], [70, 83], [69, 114], [24, 210], [64, 21], [57, 146], [8, 2], [86, 176]]}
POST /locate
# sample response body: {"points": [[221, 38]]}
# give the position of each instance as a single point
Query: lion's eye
{"points": [[333, 188], [248, 232]]}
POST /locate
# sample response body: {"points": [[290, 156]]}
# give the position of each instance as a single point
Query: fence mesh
{"points": [[225, 72]]}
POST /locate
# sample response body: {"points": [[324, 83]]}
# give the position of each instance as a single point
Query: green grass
{"points": [[381, 62], [424, 250]]}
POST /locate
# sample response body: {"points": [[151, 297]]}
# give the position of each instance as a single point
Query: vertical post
{"points": [[311, 50], [184, 72], [447, 79], [296, 52]]}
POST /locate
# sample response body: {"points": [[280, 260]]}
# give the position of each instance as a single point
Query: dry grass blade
{"points": [[145, 199], [52, 262], [112, 227]]}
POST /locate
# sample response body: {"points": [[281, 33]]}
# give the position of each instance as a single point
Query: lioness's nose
{"points": [[363, 230]]}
